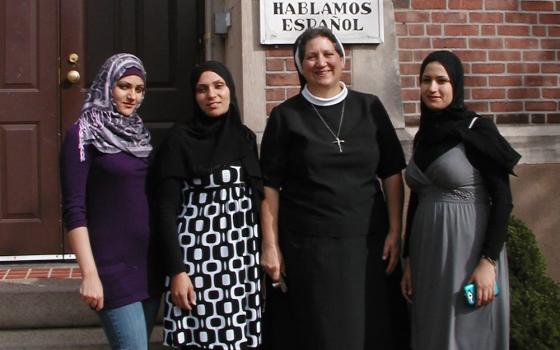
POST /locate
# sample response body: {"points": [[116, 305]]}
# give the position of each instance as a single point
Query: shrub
{"points": [[535, 297]]}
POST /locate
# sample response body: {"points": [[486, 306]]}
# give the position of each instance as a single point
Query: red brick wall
{"points": [[510, 50]]}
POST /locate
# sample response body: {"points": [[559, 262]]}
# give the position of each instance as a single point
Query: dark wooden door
{"points": [[29, 128], [165, 34], [38, 103]]}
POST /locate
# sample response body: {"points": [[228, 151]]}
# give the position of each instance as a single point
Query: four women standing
{"points": [[331, 214], [457, 218]]}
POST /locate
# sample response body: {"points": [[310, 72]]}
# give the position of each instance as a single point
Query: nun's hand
{"points": [[391, 251], [182, 291]]}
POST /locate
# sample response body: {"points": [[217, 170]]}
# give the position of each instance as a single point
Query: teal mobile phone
{"points": [[470, 293]]}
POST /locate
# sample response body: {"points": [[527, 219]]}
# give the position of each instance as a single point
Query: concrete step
{"points": [[43, 303], [49, 314], [85, 338]]}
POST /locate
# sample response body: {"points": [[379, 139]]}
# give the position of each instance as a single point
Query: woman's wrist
{"points": [[88, 269], [179, 275], [489, 259], [90, 273], [485, 258], [269, 241]]}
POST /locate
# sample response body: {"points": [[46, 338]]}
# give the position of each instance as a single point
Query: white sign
{"points": [[359, 21]]}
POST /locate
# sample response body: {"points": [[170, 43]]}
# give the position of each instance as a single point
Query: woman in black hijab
{"points": [[207, 187], [457, 218]]}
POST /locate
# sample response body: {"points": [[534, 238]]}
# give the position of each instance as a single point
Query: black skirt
{"points": [[339, 297]]}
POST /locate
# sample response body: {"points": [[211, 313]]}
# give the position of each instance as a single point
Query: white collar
{"points": [[329, 101]]}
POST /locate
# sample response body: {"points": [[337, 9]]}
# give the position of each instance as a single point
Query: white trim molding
{"points": [[537, 144], [18, 258]]}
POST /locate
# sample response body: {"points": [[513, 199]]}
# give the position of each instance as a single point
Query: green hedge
{"points": [[535, 297]]}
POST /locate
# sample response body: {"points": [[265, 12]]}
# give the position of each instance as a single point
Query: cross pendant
{"points": [[338, 141]]}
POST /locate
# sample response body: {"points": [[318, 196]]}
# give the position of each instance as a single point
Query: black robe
{"points": [[332, 226]]}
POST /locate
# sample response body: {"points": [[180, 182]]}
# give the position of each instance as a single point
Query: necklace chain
{"points": [[337, 140]]}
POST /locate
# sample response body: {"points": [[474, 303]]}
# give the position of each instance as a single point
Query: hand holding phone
{"points": [[470, 293]]}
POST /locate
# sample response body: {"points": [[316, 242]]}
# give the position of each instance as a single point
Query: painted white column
{"points": [[375, 68], [246, 58]]}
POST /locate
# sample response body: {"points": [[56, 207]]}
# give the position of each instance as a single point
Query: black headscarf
{"points": [[441, 130], [204, 144]]}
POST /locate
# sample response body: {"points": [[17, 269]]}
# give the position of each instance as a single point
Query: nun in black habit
{"points": [[207, 194], [331, 216]]}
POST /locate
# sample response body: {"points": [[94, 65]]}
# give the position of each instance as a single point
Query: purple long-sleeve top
{"points": [[106, 193]]}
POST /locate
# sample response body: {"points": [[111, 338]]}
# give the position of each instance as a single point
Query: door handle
{"points": [[73, 76]]}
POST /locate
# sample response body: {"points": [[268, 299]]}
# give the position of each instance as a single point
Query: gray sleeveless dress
{"points": [[445, 245]]}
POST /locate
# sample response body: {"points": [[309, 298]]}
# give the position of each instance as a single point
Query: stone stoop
{"points": [[83, 338], [46, 313]]}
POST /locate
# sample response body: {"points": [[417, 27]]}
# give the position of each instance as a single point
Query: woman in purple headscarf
{"points": [[104, 162]]}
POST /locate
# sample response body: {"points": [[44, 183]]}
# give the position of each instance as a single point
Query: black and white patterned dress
{"points": [[218, 235]]}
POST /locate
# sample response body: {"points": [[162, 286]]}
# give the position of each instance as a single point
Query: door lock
{"points": [[73, 58]]}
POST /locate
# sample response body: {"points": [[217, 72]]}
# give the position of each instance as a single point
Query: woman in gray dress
{"points": [[457, 218]]}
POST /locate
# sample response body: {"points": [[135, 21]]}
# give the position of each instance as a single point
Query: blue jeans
{"points": [[129, 327]]}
